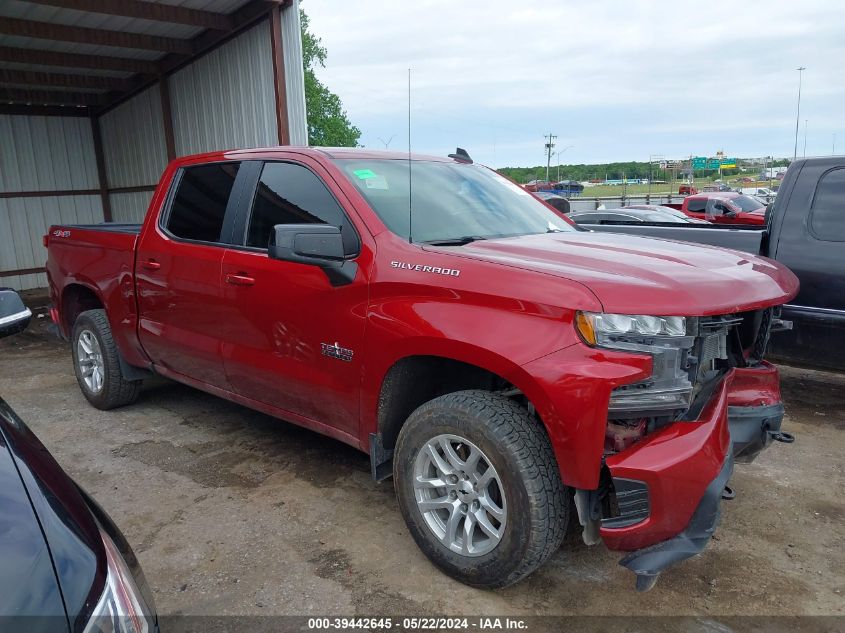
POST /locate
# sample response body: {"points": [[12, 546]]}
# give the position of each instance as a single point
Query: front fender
{"points": [[494, 333]]}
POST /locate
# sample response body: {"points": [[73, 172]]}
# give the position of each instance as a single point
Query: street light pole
{"points": [[805, 138], [558, 159], [800, 70]]}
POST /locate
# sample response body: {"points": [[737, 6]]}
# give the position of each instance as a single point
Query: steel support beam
{"points": [[147, 11], [101, 168], [282, 128], [53, 97], [167, 117], [85, 35], [76, 60], [60, 80]]}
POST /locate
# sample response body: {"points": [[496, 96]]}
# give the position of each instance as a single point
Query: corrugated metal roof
{"points": [[94, 72], [71, 17], [29, 34], [19, 41]]}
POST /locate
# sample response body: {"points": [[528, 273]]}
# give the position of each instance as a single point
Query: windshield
{"points": [[450, 201], [747, 203]]}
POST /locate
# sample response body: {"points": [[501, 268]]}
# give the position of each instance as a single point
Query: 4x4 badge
{"points": [[336, 351]]}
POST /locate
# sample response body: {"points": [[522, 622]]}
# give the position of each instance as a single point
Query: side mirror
{"points": [[14, 315], [315, 244], [730, 214]]}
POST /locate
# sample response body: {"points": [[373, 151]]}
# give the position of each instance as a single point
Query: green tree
{"points": [[328, 124]]}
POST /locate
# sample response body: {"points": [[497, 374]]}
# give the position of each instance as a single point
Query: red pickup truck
{"points": [[494, 358], [724, 207]]}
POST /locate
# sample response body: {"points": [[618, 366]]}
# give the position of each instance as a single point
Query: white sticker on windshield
{"points": [[376, 182]]}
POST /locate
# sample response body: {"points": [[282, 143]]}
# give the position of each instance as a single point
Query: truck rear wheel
{"points": [[96, 363], [479, 488]]}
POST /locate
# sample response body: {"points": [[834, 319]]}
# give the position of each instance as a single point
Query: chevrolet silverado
{"points": [[493, 357]]}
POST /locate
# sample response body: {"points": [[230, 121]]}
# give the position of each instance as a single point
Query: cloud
{"points": [[617, 79]]}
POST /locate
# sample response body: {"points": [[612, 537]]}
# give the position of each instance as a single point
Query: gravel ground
{"points": [[233, 512]]}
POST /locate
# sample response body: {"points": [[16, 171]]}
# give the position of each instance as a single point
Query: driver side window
{"points": [[289, 193]]}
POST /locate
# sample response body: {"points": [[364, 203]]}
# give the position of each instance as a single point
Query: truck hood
{"points": [[640, 275]]}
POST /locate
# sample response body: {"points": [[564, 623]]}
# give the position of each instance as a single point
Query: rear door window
{"points": [[199, 206], [827, 216]]}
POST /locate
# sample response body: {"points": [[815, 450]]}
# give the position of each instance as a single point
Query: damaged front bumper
{"points": [[647, 563], [662, 495], [755, 411]]}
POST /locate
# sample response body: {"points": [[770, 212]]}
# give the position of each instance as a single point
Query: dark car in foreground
{"points": [[65, 565]]}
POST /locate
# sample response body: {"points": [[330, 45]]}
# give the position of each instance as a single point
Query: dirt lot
{"points": [[233, 512]]}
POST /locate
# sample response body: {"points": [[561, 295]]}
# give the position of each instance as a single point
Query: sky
{"points": [[616, 80]]}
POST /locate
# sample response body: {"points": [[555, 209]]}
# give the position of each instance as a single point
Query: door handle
{"points": [[151, 264], [239, 280]]}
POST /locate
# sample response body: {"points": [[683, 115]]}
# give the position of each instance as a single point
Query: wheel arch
{"points": [[424, 373], [76, 298]]}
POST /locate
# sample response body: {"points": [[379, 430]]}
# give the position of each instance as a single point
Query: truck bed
{"points": [[99, 258], [748, 239], [111, 227]]}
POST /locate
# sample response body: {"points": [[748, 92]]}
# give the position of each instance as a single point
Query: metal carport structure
{"points": [[96, 96]]}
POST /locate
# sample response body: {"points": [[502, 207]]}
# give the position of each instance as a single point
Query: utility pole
{"points": [[800, 70], [833, 147], [549, 147], [805, 138]]}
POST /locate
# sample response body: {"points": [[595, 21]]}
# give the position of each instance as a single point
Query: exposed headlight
{"points": [[665, 338], [604, 329], [121, 608]]}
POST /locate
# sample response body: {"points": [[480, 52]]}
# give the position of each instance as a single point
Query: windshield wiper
{"points": [[456, 241]]}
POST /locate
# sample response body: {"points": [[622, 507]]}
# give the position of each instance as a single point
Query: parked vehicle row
{"points": [[490, 355], [634, 213]]}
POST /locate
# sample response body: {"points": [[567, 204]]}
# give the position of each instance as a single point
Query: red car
{"points": [[725, 208], [538, 185], [489, 354]]}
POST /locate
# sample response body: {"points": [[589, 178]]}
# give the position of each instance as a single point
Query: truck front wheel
{"points": [[479, 488], [96, 362]]}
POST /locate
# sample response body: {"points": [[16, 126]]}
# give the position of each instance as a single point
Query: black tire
{"points": [[519, 449], [115, 390]]}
